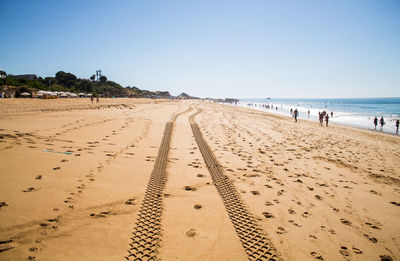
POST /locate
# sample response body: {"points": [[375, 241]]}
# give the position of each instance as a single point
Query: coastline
{"points": [[362, 124]]}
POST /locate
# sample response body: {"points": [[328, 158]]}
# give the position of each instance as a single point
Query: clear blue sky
{"points": [[211, 48]]}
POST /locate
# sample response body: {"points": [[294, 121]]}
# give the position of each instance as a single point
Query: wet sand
{"points": [[75, 178]]}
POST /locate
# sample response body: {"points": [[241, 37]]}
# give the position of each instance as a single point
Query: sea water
{"points": [[358, 112]]}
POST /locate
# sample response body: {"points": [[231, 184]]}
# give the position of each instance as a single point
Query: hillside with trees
{"points": [[68, 82]]}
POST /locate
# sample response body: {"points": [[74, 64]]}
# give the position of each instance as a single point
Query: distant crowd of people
{"points": [[382, 123], [324, 116]]}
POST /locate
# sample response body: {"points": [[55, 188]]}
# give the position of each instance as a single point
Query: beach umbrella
{"points": [[89, 95], [25, 94]]}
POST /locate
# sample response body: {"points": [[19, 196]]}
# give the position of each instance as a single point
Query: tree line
{"points": [[68, 82]]}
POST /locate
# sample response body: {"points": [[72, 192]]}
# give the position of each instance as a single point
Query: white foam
{"points": [[353, 119]]}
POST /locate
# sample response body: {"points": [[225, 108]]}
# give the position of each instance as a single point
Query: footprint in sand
{"points": [[38, 177], [370, 238], [280, 192], [345, 221], [316, 255], [30, 189], [318, 197], [130, 201], [102, 214], [191, 233], [3, 204], [386, 258], [268, 215], [68, 200], [189, 188], [372, 225], [335, 209], [33, 249], [344, 251], [197, 206], [281, 230], [375, 192], [294, 223]]}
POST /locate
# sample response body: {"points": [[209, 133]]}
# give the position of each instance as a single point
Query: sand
{"points": [[74, 176]]}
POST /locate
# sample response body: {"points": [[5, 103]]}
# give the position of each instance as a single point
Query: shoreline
{"points": [[355, 126]]}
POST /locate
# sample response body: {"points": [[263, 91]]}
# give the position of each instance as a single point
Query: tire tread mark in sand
{"points": [[255, 244], [147, 231]]}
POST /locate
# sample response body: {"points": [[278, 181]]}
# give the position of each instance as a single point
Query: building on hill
{"points": [[24, 76], [163, 94]]}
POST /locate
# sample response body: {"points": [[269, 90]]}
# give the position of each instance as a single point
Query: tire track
{"points": [[147, 232], [256, 245]]}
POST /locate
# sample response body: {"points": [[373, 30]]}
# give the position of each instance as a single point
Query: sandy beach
{"points": [[141, 178]]}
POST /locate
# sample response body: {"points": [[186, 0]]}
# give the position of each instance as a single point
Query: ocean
{"points": [[358, 112]]}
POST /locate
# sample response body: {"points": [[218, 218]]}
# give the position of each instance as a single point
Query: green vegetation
{"points": [[68, 82]]}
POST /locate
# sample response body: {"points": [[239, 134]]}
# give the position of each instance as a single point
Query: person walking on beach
{"points": [[308, 112], [321, 119], [397, 126], [382, 122], [91, 99], [295, 114], [331, 114], [291, 111], [375, 122], [97, 100], [326, 119]]}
